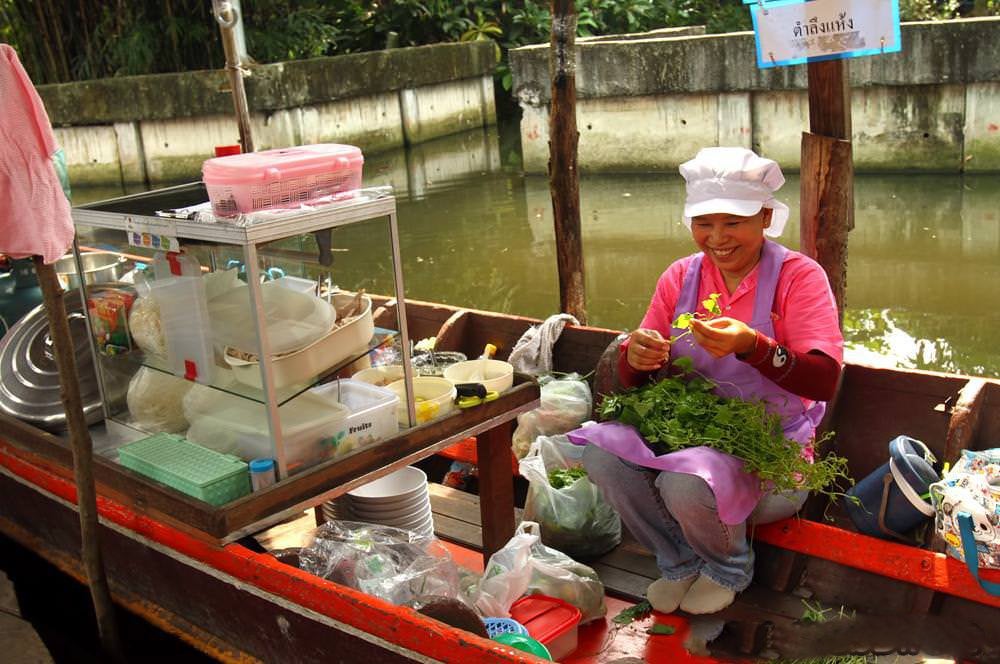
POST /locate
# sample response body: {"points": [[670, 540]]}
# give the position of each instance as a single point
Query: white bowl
{"points": [[435, 397], [304, 365], [408, 502], [381, 376], [495, 375], [404, 482], [407, 519]]}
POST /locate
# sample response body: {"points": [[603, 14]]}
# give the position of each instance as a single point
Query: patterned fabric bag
{"points": [[967, 512]]}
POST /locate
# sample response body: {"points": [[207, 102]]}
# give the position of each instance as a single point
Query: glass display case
{"points": [[236, 335]]}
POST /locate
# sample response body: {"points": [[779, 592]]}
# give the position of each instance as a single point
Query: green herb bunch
{"points": [[680, 412], [563, 477]]}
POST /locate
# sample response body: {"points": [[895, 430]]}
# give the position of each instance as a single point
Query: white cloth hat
{"points": [[733, 181]]}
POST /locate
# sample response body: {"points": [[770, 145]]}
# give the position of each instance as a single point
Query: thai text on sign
{"points": [[790, 32]]}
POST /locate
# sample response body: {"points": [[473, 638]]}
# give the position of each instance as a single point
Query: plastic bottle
{"points": [[262, 473]]}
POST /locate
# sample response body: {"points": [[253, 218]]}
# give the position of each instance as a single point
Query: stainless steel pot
{"points": [[98, 267]]}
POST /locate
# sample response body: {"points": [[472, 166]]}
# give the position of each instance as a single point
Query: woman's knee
{"points": [[684, 493]]}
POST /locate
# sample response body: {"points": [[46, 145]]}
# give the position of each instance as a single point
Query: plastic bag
{"points": [[565, 406], [525, 566], [576, 518], [155, 401], [972, 486], [399, 566]]}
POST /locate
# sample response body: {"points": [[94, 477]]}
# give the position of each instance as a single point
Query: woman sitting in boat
{"points": [[778, 340]]}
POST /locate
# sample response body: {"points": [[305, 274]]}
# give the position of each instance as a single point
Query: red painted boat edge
{"points": [[928, 569], [401, 626]]}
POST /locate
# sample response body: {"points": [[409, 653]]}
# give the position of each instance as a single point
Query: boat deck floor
{"points": [[625, 572], [456, 523]]}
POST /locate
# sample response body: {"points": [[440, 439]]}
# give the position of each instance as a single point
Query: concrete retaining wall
{"points": [[160, 128], [649, 102]]}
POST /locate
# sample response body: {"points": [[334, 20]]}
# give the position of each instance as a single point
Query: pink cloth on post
{"points": [[34, 213]]}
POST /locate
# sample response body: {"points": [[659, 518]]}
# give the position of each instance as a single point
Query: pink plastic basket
{"points": [[280, 178]]}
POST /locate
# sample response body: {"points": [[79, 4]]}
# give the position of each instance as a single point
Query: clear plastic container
{"points": [[372, 413], [310, 425], [280, 178], [179, 291]]}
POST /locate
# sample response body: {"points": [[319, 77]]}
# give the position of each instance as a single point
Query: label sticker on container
{"points": [[160, 235]]}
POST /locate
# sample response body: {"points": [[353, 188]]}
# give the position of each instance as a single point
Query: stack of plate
{"points": [[399, 499], [338, 509]]}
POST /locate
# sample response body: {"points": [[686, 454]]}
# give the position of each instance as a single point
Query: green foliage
{"points": [[560, 478], [682, 412], [92, 38]]}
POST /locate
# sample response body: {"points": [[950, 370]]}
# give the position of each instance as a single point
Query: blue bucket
{"points": [[892, 498]]}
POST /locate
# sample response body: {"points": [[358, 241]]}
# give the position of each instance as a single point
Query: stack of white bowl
{"points": [[399, 499]]}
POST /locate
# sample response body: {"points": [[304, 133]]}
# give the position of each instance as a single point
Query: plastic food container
{"points": [[192, 469], [280, 178], [434, 396], [232, 425], [550, 620], [306, 364], [496, 375], [372, 413], [380, 375]]}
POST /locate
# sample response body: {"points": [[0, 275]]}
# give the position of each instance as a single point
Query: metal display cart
{"points": [[131, 225]]}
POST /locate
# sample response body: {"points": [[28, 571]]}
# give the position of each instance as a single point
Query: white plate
{"points": [[405, 482], [381, 509]]}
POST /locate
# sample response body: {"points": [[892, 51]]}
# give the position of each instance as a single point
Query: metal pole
{"points": [[228, 18], [83, 457], [564, 179]]}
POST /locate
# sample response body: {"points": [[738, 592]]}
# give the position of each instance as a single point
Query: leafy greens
{"points": [[680, 412]]}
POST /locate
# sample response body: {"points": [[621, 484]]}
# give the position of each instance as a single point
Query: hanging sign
{"points": [[150, 234], [790, 32]]}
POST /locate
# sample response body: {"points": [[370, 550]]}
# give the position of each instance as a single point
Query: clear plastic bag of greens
{"points": [[573, 515], [525, 566], [565, 405], [398, 566]]}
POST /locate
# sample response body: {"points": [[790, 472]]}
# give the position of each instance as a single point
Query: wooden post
{"points": [[83, 452], [827, 174], [496, 487], [564, 179]]}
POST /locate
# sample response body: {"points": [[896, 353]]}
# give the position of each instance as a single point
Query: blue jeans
{"points": [[674, 515]]}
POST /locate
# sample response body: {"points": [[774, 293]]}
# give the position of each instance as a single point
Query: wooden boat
{"points": [[862, 594]]}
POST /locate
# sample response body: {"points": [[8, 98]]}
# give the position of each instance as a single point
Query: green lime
{"points": [[525, 643]]}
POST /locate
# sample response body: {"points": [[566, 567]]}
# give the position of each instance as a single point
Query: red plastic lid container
{"points": [[550, 621]]}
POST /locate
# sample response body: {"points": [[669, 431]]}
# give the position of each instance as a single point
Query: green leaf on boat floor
{"points": [[633, 613], [661, 629]]}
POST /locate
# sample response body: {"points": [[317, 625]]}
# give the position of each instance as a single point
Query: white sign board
{"points": [[150, 234], [791, 32]]}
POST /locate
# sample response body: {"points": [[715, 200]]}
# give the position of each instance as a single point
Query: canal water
{"points": [[475, 231]]}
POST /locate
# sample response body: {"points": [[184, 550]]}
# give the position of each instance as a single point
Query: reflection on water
{"points": [[923, 268]]}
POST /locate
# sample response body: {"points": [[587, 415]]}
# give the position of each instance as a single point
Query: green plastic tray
{"points": [[192, 469]]}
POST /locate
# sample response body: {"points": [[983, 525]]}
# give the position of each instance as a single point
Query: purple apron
{"points": [[736, 491]]}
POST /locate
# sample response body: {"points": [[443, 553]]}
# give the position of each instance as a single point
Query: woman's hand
{"points": [[647, 350], [722, 336]]}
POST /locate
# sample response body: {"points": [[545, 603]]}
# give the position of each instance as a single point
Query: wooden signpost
{"points": [[824, 33], [826, 212]]}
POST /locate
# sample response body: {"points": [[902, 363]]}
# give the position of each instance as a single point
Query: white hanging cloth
{"points": [[532, 354]]}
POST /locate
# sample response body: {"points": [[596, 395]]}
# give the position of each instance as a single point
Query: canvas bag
{"points": [[967, 512]]}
